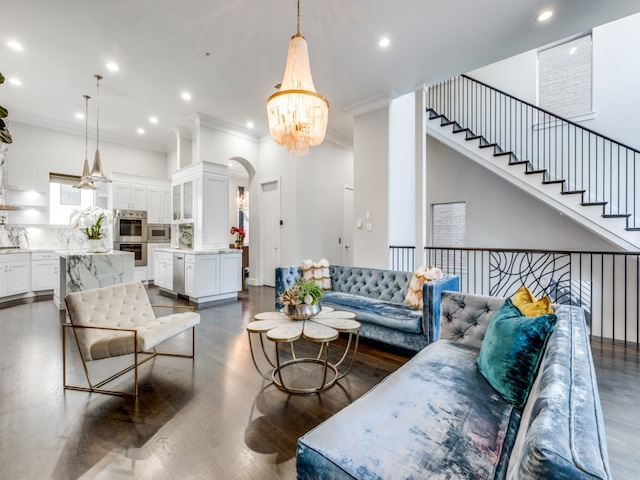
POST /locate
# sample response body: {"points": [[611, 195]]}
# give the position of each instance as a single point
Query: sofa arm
{"points": [[285, 278], [431, 294]]}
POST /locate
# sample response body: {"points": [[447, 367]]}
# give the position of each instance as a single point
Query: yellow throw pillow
{"points": [[529, 305]]}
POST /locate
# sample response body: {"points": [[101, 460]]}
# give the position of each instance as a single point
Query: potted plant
{"points": [[240, 234], [303, 300], [91, 220]]}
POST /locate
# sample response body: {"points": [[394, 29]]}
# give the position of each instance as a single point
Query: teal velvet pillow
{"points": [[512, 349]]}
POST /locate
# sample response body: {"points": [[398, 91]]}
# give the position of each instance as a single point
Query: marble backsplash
{"points": [[42, 237]]}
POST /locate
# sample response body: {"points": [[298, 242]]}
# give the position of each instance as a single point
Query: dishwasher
{"points": [[178, 273]]}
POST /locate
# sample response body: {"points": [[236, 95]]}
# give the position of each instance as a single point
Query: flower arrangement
{"points": [[303, 292], [91, 220], [239, 233]]}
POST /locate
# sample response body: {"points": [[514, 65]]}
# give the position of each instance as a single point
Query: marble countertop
{"points": [[198, 252]]}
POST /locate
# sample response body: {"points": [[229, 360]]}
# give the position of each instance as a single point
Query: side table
{"points": [[323, 329]]}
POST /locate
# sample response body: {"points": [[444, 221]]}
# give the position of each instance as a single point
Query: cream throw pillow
{"points": [[414, 293], [318, 271]]}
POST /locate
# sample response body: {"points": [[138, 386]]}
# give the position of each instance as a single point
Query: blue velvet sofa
{"points": [[438, 418], [377, 298]]}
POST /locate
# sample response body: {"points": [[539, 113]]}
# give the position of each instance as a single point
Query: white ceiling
{"points": [[230, 54]]}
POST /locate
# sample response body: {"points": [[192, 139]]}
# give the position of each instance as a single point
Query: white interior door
{"points": [[270, 230], [347, 226]]}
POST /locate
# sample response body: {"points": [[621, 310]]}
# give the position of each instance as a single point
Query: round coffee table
{"points": [[322, 329]]}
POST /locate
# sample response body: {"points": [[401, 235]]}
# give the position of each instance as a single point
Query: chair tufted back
{"points": [[464, 317], [125, 305], [386, 285]]}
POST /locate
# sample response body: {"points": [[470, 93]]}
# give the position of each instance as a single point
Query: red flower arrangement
{"points": [[238, 232]]}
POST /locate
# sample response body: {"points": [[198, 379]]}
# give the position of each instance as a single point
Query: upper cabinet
{"points": [[200, 196], [132, 192], [129, 196], [159, 201]]}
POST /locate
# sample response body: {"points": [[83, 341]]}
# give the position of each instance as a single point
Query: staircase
{"points": [[585, 175]]}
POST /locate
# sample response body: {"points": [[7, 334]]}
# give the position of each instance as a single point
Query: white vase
{"points": [[94, 245]]}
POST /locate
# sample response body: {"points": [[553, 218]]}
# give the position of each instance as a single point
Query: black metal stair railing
{"points": [[602, 170]]}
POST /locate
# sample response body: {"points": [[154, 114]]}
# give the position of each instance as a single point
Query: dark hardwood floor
{"points": [[211, 418]]}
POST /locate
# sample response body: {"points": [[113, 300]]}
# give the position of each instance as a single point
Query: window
{"points": [[565, 77], [64, 199], [449, 230]]}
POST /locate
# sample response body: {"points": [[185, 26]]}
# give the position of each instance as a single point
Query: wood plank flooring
{"points": [[214, 418]]}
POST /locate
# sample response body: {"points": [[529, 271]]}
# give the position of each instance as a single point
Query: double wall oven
{"points": [[130, 234]]}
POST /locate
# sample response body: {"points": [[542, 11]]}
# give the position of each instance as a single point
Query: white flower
{"points": [[91, 220]]}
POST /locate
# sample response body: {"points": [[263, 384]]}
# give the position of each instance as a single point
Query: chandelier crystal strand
{"points": [[84, 182], [298, 115]]}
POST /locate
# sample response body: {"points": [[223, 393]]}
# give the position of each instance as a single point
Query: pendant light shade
{"points": [[84, 182], [96, 174], [298, 115]]}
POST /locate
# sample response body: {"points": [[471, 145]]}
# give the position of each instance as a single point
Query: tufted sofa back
{"points": [[464, 317], [388, 285]]}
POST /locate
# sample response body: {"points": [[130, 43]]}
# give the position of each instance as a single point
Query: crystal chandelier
{"points": [[298, 115], [84, 182], [96, 174]]}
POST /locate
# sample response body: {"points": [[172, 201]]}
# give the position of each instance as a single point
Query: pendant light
{"points": [[85, 183], [297, 114], [96, 172]]}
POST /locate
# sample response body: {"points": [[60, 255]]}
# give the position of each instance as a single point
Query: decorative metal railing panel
{"points": [[605, 284], [605, 169]]}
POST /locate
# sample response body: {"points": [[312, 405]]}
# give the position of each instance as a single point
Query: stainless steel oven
{"points": [[158, 233], [130, 226], [139, 249]]}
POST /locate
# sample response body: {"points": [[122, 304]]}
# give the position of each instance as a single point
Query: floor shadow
{"points": [[278, 419], [111, 423]]}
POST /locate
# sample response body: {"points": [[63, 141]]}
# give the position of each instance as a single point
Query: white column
{"points": [[421, 210]]}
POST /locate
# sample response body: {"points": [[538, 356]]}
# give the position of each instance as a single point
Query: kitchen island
{"points": [[82, 270], [201, 275]]}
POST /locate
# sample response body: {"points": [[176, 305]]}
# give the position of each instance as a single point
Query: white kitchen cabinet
{"points": [[202, 275], [230, 272], [128, 196], [183, 200], [44, 268], [163, 270], [159, 205], [15, 269], [215, 212], [151, 258]]}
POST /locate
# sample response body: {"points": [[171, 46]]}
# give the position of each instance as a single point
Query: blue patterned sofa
{"points": [[438, 418], [377, 298]]}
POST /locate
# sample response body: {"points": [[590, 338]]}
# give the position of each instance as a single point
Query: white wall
{"points": [[616, 75], [370, 153], [401, 170], [500, 215], [36, 151]]}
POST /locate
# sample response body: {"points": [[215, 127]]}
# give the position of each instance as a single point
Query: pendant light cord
{"points": [[98, 78], [298, 33], [86, 125]]}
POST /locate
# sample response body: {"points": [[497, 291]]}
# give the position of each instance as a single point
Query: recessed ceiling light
{"points": [[112, 67], [186, 96], [80, 116], [384, 42], [249, 124], [153, 119], [573, 50], [544, 16], [141, 131], [15, 81], [15, 45]]}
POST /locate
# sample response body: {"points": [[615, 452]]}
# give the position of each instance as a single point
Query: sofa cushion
{"points": [[378, 312], [436, 417], [386, 285], [512, 349], [529, 304]]}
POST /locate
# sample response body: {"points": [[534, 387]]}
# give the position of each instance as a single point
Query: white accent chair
{"points": [[119, 320]]}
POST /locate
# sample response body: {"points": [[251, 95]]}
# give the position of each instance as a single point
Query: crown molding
{"points": [[200, 119], [371, 104]]}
